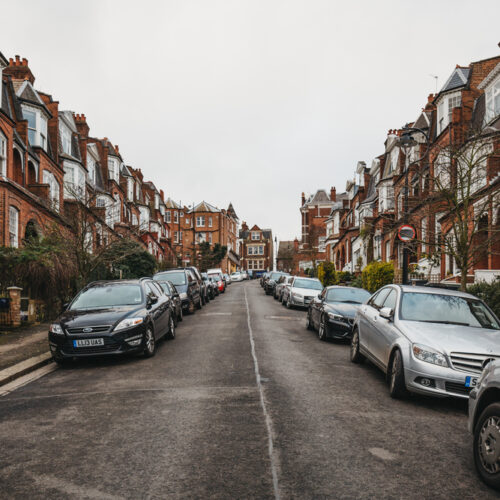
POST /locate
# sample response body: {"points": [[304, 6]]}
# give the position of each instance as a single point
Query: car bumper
{"points": [[339, 329], [294, 301], [445, 382], [125, 341]]}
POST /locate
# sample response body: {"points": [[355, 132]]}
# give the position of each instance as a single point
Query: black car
{"points": [[186, 284], [332, 312], [270, 283], [112, 317], [203, 287], [175, 299]]}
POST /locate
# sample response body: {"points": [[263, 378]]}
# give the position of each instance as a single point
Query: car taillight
{"points": [[220, 283]]}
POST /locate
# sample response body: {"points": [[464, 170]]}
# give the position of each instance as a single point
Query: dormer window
{"points": [[492, 95], [255, 235], [91, 169], [113, 169], [65, 139], [37, 127], [445, 108]]}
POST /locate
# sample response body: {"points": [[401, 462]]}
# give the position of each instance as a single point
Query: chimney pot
{"points": [[25, 61], [18, 61]]}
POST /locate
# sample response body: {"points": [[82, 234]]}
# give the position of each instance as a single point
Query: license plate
{"points": [[470, 381], [87, 342]]}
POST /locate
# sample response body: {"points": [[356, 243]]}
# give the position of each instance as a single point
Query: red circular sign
{"points": [[406, 233]]}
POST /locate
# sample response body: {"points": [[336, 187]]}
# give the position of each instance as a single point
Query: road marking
{"points": [[26, 379], [381, 453], [216, 314], [267, 417]]}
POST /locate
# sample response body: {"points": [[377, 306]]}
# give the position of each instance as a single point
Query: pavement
{"points": [[244, 403]]}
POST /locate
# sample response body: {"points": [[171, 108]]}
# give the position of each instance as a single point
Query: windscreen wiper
{"points": [[444, 322]]}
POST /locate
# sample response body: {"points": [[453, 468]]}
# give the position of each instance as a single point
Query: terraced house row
{"points": [[55, 175], [439, 174]]}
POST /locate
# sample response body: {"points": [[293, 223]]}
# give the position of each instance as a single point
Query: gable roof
{"points": [[26, 92], [203, 206], [457, 79], [172, 204], [320, 197], [231, 212]]}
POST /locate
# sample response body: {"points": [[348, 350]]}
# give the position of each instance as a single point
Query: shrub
{"points": [[489, 292], [327, 274], [345, 276], [357, 282], [376, 275]]}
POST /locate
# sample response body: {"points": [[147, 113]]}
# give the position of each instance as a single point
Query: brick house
{"points": [[256, 248]]}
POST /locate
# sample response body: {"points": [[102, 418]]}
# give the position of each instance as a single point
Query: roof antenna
{"points": [[435, 78]]}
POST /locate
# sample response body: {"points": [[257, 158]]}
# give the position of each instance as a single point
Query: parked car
{"points": [[227, 278], [279, 285], [203, 288], [236, 276], [112, 318], [285, 284], [217, 275], [301, 292], [484, 423], [332, 312], [263, 277], [270, 283], [245, 275], [175, 299], [212, 290], [186, 284], [429, 341]]}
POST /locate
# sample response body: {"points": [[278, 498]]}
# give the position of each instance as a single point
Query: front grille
{"points": [[109, 346], [95, 329], [471, 363], [456, 388], [307, 299]]}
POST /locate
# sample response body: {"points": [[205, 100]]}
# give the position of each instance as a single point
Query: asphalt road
{"points": [[196, 422]]}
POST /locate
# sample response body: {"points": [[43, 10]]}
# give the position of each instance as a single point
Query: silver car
{"points": [[280, 287], [484, 424], [427, 340], [301, 291]]}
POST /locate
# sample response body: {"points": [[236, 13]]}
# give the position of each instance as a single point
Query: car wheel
{"points": [[180, 316], [309, 324], [62, 362], [397, 386], [191, 307], [487, 445], [150, 343], [322, 330], [199, 303], [356, 356], [288, 303], [171, 328]]}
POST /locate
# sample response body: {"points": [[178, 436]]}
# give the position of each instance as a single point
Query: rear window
{"points": [[176, 277]]}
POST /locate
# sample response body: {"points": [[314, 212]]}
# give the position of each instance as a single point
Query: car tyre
{"points": [[355, 355], [309, 324], [150, 343], [397, 386], [191, 307], [488, 421], [60, 361], [180, 316], [288, 303], [171, 328], [322, 330], [199, 303]]}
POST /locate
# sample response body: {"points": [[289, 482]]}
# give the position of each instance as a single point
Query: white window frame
{"points": [[492, 100], [113, 169], [65, 134], [200, 221], [3, 156], [169, 216], [210, 221], [13, 227], [54, 189], [255, 235], [39, 133]]}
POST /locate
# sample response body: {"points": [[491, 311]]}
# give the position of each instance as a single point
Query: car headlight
{"points": [[56, 328], [128, 323], [183, 295], [429, 355], [336, 317]]}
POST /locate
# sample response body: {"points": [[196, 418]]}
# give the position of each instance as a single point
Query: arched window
{"points": [[18, 168], [32, 231], [31, 173]]}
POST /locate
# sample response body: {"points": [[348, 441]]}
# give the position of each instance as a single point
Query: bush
{"points": [[489, 292], [345, 276], [357, 282], [376, 275], [327, 274]]}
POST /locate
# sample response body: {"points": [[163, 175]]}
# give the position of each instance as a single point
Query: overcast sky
{"points": [[247, 101]]}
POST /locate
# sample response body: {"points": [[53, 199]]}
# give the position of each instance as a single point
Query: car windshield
{"points": [[235, 274], [176, 277], [447, 309], [275, 276], [107, 296], [311, 284], [349, 295]]}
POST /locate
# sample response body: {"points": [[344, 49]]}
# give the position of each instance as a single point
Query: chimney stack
{"points": [[303, 198], [19, 70], [333, 194]]}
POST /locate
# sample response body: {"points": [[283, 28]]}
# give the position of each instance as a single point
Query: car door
{"points": [[368, 317], [316, 308], [158, 310], [384, 331]]}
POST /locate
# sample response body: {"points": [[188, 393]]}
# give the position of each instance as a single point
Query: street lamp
{"points": [[406, 142]]}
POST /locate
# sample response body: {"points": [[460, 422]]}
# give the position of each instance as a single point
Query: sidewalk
{"points": [[23, 343]]}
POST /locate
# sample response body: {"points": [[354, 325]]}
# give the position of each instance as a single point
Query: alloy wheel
{"points": [[171, 331], [150, 344], [322, 330], [489, 444]]}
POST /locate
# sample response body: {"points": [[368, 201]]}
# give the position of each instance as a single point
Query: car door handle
{"points": [[375, 317]]}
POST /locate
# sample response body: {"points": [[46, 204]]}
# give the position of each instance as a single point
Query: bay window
{"points": [[74, 180], [65, 135], [492, 95], [113, 170], [3, 156], [445, 108], [37, 126], [54, 189], [200, 221], [130, 189]]}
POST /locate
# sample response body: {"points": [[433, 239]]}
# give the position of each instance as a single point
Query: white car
{"points": [[236, 276], [302, 291]]}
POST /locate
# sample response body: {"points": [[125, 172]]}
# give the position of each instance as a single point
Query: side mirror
{"points": [[65, 306], [152, 299], [386, 313], [175, 295]]}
